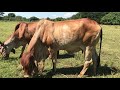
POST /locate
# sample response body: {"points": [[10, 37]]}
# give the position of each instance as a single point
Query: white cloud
{"points": [[69, 14], [54, 16], [64, 15]]}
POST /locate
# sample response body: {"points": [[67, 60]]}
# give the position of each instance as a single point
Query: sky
{"points": [[43, 14]]}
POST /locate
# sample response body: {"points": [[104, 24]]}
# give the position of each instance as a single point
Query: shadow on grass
{"points": [[65, 56], [59, 57], [11, 59], [103, 70]]}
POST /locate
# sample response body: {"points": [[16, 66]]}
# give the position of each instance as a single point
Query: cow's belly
{"points": [[73, 50], [73, 47]]}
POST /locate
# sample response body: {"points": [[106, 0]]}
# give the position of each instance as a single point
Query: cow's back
{"points": [[73, 33], [82, 25]]}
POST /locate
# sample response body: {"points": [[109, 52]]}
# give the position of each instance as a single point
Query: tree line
{"points": [[109, 18], [13, 17]]}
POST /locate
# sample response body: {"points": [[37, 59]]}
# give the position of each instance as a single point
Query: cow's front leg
{"points": [[23, 48], [35, 73], [41, 66], [88, 60], [54, 59]]}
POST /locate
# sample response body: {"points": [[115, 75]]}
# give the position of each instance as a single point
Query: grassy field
{"points": [[68, 67]]}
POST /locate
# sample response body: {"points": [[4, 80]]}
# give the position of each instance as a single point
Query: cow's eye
{"points": [[5, 46]]}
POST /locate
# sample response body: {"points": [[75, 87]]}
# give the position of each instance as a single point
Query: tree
{"points": [[5, 18], [25, 19], [59, 19], [11, 15], [1, 15], [93, 15], [33, 19], [48, 18], [19, 18], [76, 16]]}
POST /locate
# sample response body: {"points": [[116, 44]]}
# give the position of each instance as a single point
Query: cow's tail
{"points": [[98, 61]]}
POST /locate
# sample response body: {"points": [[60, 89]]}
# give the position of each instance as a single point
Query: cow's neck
{"points": [[48, 37], [9, 40]]}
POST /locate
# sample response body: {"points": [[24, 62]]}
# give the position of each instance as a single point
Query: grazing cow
{"points": [[21, 37], [33, 61], [69, 35]]}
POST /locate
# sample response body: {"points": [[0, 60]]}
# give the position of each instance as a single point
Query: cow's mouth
{"points": [[5, 56]]}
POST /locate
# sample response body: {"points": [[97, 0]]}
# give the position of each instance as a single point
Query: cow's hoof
{"points": [[40, 73], [20, 67], [26, 76], [80, 75]]}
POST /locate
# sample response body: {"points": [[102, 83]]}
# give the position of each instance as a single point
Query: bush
{"points": [[93, 15], [5, 18], [33, 19], [112, 18]]}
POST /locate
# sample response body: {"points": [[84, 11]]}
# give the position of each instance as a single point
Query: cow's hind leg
{"points": [[88, 60], [95, 63], [54, 61]]}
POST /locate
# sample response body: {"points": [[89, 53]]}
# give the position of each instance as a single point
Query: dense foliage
{"points": [[112, 18]]}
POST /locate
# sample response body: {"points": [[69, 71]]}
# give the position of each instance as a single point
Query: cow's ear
{"points": [[13, 50], [1, 44], [22, 28]]}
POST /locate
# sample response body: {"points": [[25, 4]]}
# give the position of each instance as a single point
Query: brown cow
{"points": [[69, 35], [21, 37]]}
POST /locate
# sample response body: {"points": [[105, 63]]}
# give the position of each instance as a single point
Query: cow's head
{"points": [[2, 51], [27, 61], [14, 41]]}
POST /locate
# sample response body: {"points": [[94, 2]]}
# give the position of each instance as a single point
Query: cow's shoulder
{"points": [[19, 25]]}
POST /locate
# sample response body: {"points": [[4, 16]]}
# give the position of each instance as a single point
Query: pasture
{"points": [[68, 66]]}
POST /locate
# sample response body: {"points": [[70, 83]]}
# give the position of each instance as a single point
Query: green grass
{"points": [[68, 67]]}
